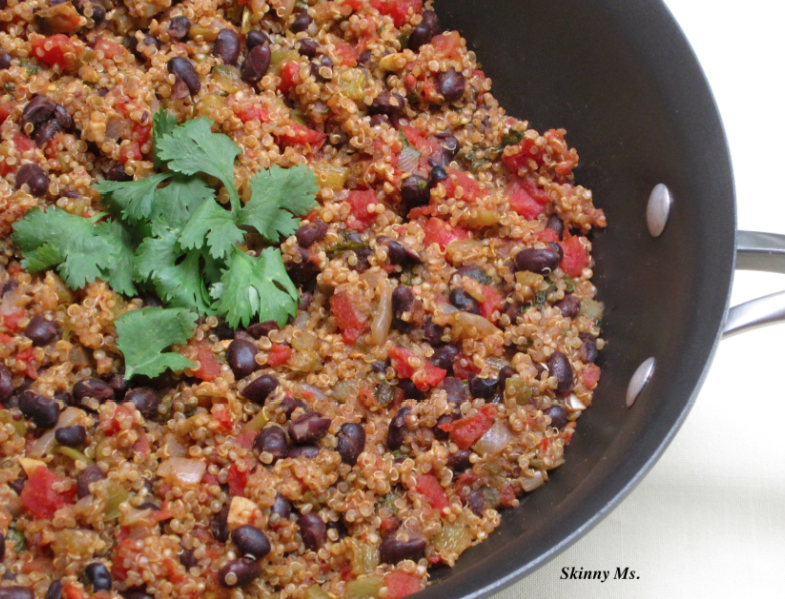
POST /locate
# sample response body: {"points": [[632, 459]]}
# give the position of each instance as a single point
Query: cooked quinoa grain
{"points": [[444, 346]]}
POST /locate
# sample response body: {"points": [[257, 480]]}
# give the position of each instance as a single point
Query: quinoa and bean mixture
{"points": [[290, 306]]}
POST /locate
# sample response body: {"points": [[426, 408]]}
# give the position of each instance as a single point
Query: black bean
{"points": [[303, 451], [38, 110], [512, 309], [98, 576], [34, 177], [570, 306], [45, 132], [311, 233], [309, 428], [262, 329], [301, 22], [380, 119], [137, 593], [322, 62], [2, 547], [219, 525], [71, 436], [432, 332], [559, 366], [460, 460], [43, 411], [558, 416], [557, 248], [282, 507], [188, 559], [260, 389], [410, 390], [363, 263], [396, 433], [588, 351], [118, 384], [449, 144], [312, 530], [241, 356], [18, 485], [308, 47], [555, 224], [94, 388], [251, 541], [351, 442], [6, 384], [415, 192], [272, 440], [255, 38], [117, 173], [238, 572], [179, 28], [55, 590], [443, 357], [256, 64], [392, 551], [474, 272], [483, 387], [289, 404], [183, 69], [227, 46], [400, 254], [5, 60], [451, 85], [145, 399], [476, 502], [97, 12], [8, 287], [364, 59], [402, 301], [163, 381], [425, 31], [537, 261], [456, 390], [379, 367], [86, 477], [438, 173], [145, 47], [504, 374], [16, 592], [387, 103], [463, 301], [63, 118]]}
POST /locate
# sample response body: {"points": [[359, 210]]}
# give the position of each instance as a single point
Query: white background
{"points": [[709, 520]]}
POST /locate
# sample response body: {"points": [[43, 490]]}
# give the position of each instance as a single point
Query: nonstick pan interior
{"points": [[622, 79]]}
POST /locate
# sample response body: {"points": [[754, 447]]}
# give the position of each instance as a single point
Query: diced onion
{"points": [[182, 470], [241, 511], [463, 320], [46, 442], [529, 484], [495, 440], [380, 326], [574, 404], [308, 391], [408, 159]]}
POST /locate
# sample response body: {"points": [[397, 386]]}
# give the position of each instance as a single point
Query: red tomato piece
{"points": [[400, 584], [590, 376], [428, 376], [71, 591], [247, 112], [109, 48], [224, 419], [458, 178], [237, 480], [399, 10], [526, 198], [548, 235], [351, 321], [523, 151], [463, 367], [11, 318], [466, 431], [57, 50], [447, 44], [245, 440], [576, 258], [290, 76], [142, 445], [39, 497], [493, 301], [399, 356], [5, 110], [359, 201], [129, 152], [279, 354], [352, 4], [301, 136], [23, 143], [429, 486], [437, 231], [209, 367], [347, 56]]}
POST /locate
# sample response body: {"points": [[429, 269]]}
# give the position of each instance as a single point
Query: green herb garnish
{"points": [[512, 137]]}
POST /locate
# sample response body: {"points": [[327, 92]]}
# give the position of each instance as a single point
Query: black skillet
{"points": [[622, 79]]}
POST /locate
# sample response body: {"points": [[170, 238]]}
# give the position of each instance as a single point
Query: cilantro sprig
{"points": [[167, 232]]}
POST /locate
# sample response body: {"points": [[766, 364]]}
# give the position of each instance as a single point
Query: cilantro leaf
{"points": [[193, 148], [164, 123], [176, 203], [212, 224], [279, 195], [142, 335], [255, 286], [57, 237], [131, 199], [119, 273], [175, 274]]}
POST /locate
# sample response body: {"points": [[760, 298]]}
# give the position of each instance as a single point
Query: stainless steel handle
{"points": [[758, 251]]}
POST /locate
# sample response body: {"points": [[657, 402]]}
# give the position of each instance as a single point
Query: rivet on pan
{"points": [[658, 209], [639, 379]]}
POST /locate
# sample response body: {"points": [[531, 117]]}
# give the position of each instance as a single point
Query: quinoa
{"points": [[442, 353]]}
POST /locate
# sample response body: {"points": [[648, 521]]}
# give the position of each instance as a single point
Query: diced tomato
{"points": [[548, 235], [437, 231], [301, 136], [125, 411], [25, 355], [399, 10], [428, 376], [279, 354], [353, 4], [346, 53], [11, 317], [351, 321], [399, 356], [209, 367], [23, 143], [39, 497], [237, 480], [130, 151], [447, 44], [526, 198], [590, 376], [523, 151], [423, 144], [224, 419], [123, 550], [244, 439], [359, 201], [5, 110], [493, 301], [71, 591], [507, 495], [142, 445], [458, 178], [400, 584], [463, 367], [290, 76], [109, 48], [466, 431], [576, 258], [247, 112], [429, 486], [57, 50]]}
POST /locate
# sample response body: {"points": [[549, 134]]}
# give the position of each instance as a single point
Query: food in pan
{"points": [[290, 306]]}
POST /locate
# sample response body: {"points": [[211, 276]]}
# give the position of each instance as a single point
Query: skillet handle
{"points": [[764, 252]]}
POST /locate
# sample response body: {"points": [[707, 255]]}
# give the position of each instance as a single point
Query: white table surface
{"points": [[709, 520]]}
